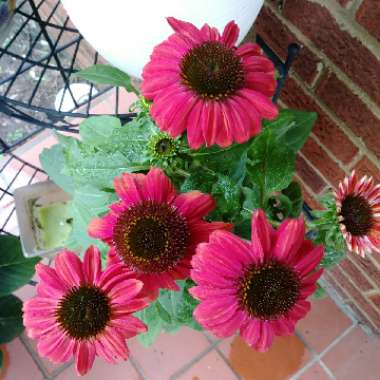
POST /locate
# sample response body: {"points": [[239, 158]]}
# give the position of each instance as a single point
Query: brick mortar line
{"points": [[350, 25], [329, 153], [372, 292], [374, 261], [310, 190], [356, 89], [316, 170], [355, 160], [355, 5], [369, 319], [356, 140], [372, 282], [334, 295]]}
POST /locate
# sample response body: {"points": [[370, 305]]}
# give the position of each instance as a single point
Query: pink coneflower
{"points": [[154, 230], [358, 208], [201, 82], [82, 311], [258, 287]]}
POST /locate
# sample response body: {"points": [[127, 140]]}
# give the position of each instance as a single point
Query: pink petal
{"points": [[57, 347], [84, 357], [264, 83], [310, 261], [130, 307], [251, 332], [211, 122], [224, 136], [194, 204], [209, 33], [186, 29], [129, 187], [266, 108], [158, 187], [129, 325], [102, 228], [249, 49], [266, 337], [200, 231], [125, 291], [92, 265], [261, 235], [69, 268], [237, 248], [194, 130], [230, 34], [49, 279], [113, 342], [290, 237]]}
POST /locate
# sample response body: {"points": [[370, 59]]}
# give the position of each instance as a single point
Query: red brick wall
{"points": [[337, 74]]}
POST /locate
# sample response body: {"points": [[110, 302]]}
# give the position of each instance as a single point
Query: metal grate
{"points": [[38, 56], [54, 51]]}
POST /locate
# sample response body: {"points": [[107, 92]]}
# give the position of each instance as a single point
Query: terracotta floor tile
{"points": [[212, 366], [103, 371], [19, 365], [315, 372], [284, 358], [355, 357], [169, 353], [323, 324]]}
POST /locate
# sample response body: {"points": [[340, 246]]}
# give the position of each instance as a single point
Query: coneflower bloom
{"points": [[154, 230], [358, 208], [259, 288], [201, 82], [82, 311]]}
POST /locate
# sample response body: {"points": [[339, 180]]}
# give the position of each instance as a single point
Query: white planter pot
{"points": [[125, 32]]}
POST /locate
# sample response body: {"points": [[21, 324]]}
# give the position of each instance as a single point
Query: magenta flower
{"points": [[258, 287], [358, 208], [82, 311], [201, 82], [154, 230]]}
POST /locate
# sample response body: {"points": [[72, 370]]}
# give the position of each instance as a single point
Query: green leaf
{"points": [[1, 358], [230, 161], [87, 204], [15, 269], [52, 161], [292, 127], [106, 74], [251, 199], [10, 318], [320, 293], [97, 129], [155, 325], [331, 257], [271, 164], [227, 194], [294, 193]]}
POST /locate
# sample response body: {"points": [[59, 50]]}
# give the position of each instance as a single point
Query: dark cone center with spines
{"points": [[357, 215], [212, 70], [84, 312], [269, 291], [151, 237], [164, 147]]}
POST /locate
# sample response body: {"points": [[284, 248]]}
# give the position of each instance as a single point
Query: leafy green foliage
{"points": [[271, 165], [292, 127], [320, 293], [10, 318], [53, 162], [324, 229], [169, 312], [106, 74], [15, 269]]}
